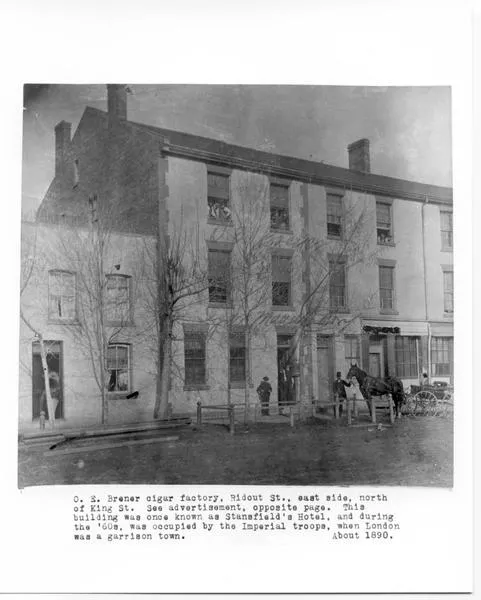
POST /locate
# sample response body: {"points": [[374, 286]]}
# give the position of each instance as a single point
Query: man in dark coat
{"points": [[339, 389], [264, 391]]}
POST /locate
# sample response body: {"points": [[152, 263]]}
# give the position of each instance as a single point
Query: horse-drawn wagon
{"points": [[436, 399]]}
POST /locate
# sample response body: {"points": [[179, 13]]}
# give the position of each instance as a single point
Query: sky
{"points": [[409, 128]]}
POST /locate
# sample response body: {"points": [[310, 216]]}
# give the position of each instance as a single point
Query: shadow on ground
{"points": [[415, 451]]}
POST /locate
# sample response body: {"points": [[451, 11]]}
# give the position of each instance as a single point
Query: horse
{"points": [[374, 386]]}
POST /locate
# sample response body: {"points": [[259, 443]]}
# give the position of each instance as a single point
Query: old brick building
{"points": [[356, 266]]}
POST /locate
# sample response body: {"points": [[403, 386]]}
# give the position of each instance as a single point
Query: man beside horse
{"points": [[375, 386]]}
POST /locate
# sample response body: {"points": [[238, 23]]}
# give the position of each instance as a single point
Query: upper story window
{"points": [[219, 265], [279, 201], [218, 197], [446, 230], [448, 282], [384, 223], [337, 285], [334, 216], [61, 296], [386, 287], [118, 368], [281, 280], [117, 304]]}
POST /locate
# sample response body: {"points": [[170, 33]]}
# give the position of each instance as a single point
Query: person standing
{"points": [[340, 390], [264, 391]]}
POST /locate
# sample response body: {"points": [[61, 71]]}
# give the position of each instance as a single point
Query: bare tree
{"points": [[104, 299], [31, 264], [176, 278], [325, 304]]}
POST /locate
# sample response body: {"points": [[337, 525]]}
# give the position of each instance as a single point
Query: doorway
{"points": [[325, 375], [54, 362], [375, 364], [286, 393]]}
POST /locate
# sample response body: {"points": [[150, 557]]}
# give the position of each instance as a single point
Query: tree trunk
{"points": [[166, 366], [48, 395], [248, 381], [158, 386]]}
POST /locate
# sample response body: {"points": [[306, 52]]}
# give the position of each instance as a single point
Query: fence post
{"points": [[391, 409], [291, 416], [231, 420], [373, 410], [199, 413], [348, 407], [336, 406]]}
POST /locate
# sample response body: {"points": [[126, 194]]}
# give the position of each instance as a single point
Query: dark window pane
{"points": [[219, 276], [281, 293]]}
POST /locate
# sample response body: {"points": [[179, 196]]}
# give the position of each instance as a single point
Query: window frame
{"points": [[448, 270], [278, 254], [341, 267], [449, 350], [340, 198], [118, 322], [389, 204], [224, 197], [226, 249], [350, 359], [198, 333], [233, 335], [390, 264], [287, 186], [121, 393], [400, 353], [55, 318], [446, 247]]}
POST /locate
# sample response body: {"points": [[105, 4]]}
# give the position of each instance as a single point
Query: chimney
{"points": [[117, 100], [359, 159], [63, 133]]}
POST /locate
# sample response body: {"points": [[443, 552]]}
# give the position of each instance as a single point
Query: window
{"points": [[218, 197], [384, 223], [219, 276], [352, 354], [448, 291], [441, 356], [279, 206], [446, 230], [386, 287], [118, 367], [337, 285], [194, 356], [61, 292], [118, 299], [334, 216], [281, 280], [237, 358], [406, 353]]}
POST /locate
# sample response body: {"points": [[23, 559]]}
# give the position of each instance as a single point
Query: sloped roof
{"points": [[218, 152]]}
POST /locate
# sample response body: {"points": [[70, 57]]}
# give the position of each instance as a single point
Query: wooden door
{"points": [[375, 364]]}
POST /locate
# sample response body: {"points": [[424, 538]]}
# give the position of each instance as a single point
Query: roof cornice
{"points": [[215, 158]]}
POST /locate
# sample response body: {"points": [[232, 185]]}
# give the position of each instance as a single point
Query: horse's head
{"points": [[353, 372]]}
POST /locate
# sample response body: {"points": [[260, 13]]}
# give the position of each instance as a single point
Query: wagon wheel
{"points": [[410, 405], [426, 402]]}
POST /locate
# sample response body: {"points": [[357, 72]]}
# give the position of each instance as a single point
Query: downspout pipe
{"points": [[425, 270]]}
